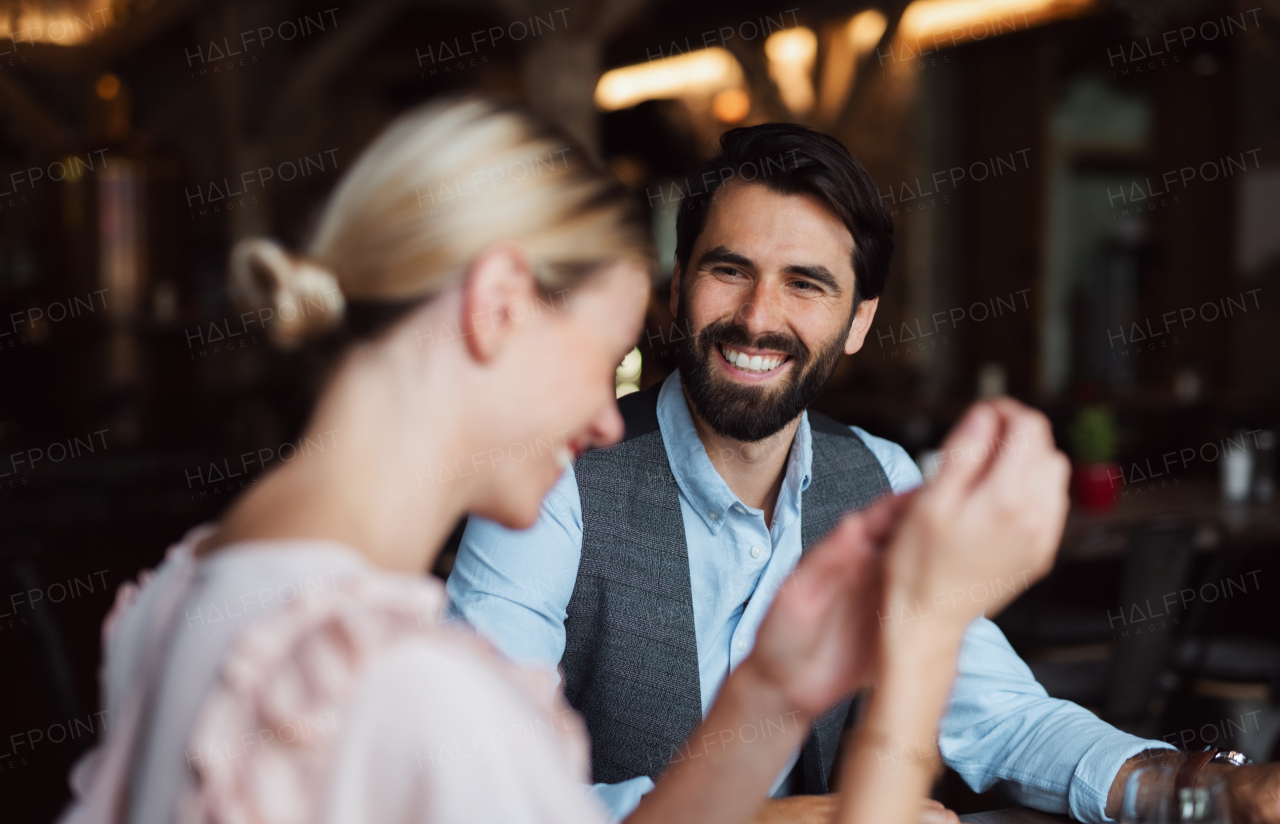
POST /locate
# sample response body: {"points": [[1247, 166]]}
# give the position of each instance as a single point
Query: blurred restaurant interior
{"points": [[1086, 195]]}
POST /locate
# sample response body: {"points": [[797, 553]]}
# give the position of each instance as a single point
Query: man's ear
{"points": [[674, 303], [498, 280], [861, 325]]}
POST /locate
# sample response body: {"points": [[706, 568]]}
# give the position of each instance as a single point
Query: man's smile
{"points": [[752, 364]]}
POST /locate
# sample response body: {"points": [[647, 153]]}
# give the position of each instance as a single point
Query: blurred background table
{"points": [[1091, 534], [1157, 616]]}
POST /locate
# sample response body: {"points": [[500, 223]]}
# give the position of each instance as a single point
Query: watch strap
{"points": [[1191, 768]]}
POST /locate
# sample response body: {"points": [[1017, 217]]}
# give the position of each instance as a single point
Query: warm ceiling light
{"points": [[731, 105], [850, 42], [108, 86], [701, 72], [791, 54], [948, 22], [865, 30], [61, 28]]}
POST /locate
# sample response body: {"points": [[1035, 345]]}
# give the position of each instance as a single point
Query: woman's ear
{"points": [[498, 280]]}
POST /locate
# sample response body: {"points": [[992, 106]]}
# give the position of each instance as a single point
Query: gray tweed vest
{"points": [[631, 658]]}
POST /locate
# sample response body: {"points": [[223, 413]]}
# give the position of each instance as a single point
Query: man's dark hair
{"points": [[794, 160]]}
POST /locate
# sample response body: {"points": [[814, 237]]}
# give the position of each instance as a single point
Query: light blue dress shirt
{"points": [[1000, 726]]}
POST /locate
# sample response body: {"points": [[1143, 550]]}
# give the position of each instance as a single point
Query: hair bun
{"points": [[303, 298]]}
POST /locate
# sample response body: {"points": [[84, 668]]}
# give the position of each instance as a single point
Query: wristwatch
{"points": [[1235, 759], [1209, 755]]}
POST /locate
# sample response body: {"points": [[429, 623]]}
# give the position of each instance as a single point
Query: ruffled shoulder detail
{"points": [[127, 593], [264, 741]]}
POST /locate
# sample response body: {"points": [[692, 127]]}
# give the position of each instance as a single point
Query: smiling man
{"points": [[654, 560]]}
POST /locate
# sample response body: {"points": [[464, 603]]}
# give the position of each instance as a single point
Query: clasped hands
{"points": [[891, 573], [839, 622]]}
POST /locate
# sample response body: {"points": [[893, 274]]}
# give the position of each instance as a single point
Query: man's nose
{"points": [[762, 312]]}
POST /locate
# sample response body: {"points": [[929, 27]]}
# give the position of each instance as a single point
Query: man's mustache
{"points": [[725, 332]]}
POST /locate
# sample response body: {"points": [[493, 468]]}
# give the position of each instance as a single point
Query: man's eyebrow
{"points": [[819, 274], [722, 254]]}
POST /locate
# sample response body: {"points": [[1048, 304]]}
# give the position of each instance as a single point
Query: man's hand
{"points": [[1255, 792], [821, 809]]}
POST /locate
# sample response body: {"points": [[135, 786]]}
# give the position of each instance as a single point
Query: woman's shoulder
{"points": [[135, 621], [368, 690]]}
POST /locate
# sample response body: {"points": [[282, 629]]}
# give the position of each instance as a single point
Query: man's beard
{"points": [[750, 413]]}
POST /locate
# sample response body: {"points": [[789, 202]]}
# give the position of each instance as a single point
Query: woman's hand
{"points": [[970, 542], [816, 645], [819, 641], [985, 529]]}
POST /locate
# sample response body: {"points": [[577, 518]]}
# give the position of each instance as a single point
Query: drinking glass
{"points": [[1151, 796]]}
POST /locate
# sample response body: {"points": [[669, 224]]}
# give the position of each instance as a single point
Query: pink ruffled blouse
{"points": [[281, 682]]}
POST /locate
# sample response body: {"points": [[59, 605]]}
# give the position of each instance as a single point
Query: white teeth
{"points": [[564, 457], [751, 363]]}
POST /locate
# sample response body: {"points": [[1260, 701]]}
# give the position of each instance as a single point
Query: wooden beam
{"points": [[31, 119]]}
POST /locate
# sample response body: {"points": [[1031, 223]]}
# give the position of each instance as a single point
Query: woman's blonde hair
{"points": [[439, 185]]}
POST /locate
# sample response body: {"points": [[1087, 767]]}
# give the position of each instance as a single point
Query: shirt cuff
{"points": [[620, 800], [1097, 770]]}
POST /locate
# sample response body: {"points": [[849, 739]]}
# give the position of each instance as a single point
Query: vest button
{"points": [[757, 551]]}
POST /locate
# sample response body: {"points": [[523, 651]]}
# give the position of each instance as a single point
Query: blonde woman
{"points": [[289, 663]]}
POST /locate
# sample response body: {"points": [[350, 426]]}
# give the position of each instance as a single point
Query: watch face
{"points": [[1232, 757]]}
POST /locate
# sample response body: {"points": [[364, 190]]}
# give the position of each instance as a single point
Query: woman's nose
{"points": [[607, 428]]}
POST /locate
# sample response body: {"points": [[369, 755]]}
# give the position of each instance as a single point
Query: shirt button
{"points": [[741, 645], [757, 551], [713, 515], [738, 509]]}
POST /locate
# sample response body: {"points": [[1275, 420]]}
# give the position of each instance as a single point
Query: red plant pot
{"points": [[1095, 484]]}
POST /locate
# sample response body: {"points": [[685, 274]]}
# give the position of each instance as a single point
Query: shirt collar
{"points": [[697, 477]]}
